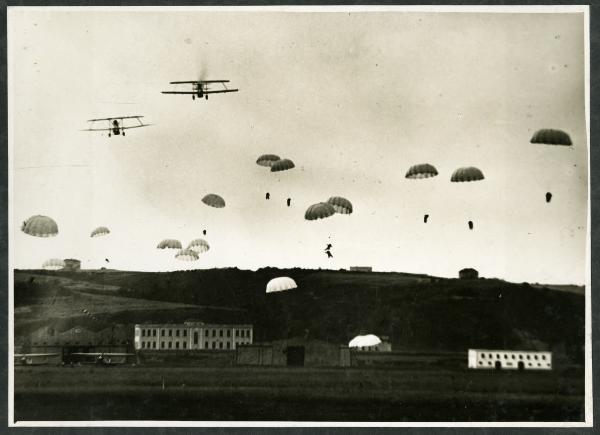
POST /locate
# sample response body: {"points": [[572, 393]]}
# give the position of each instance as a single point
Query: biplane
{"points": [[103, 358], [28, 359], [200, 88], [116, 124]]}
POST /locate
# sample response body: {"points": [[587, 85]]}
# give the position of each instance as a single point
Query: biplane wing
{"points": [[102, 354], [121, 125], [116, 117], [221, 91], [120, 128], [34, 355], [199, 81]]}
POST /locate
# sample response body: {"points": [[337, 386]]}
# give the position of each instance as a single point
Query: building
{"points": [[72, 265], [297, 351], [191, 336], [361, 269], [383, 346], [468, 273], [509, 360]]}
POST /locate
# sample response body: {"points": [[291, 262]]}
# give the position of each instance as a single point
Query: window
{"points": [[237, 332], [229, 332], [528, 357], [170, 332], [162, 332], [513, 356], [220, 332], [177, 333], [221, 345], [143, 332], [520, 356], [228, 345], [154, 345], [543, 357], [497, 356], [170, 344], [162, 345], [214, 345], [154, 332], [206, 332], [214, 332], [185, 344], [185, 332], [176, 345], [535, 357], [196, 337], [483, 355], [505, 356]]}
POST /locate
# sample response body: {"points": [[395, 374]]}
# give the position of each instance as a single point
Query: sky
{"points": [[354, 99]]}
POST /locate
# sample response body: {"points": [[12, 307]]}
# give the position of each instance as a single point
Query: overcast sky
{"points": [[354, 99]]}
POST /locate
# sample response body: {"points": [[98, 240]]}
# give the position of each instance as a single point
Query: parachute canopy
{"points": [[214, 200], [281, 284], [282, 165], [187, 255], [364, 341], [424, 170], [549, 136], [267, 160], [340, 205], [319, 211], [53, 264], [100, 231], [169, 244], [467, 174], [199, 245], [40, 226]]}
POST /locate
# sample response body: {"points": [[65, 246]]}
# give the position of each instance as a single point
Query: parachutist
{"points": [[329, 246], [268, 196], [289, 201], [204, 232], [470, 225], [425, 218], [548, 197], [329, 254]]}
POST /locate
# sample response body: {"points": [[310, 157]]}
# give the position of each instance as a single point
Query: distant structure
{"points": [[384, 346], [361, 269], [468, 273], [191, 336], [72, 265], [509, 360]]}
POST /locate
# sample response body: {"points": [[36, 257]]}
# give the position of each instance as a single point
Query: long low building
{"points": [[191, 336], [509, 359]]}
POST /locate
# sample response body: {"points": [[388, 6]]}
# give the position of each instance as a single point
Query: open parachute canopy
{"points": [[187, 255], [549, 136], [340, 205], [364, 341], [100, 231], [214, 200], [54, 264], [282, 165], [40, 226], [199, 245], [467, 174], [320, 210], [169, 244], [280, 284], [423, 170], [267, 160]]}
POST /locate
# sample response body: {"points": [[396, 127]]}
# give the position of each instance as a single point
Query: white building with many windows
{"points": [[509, 359], [191, 336]]}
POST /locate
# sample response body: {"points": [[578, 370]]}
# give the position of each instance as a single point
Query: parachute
{"points": [[364, 341], [199, 246], [282, 165], [53, 264], [319, 211], [40, 226], [340, 205], [187, 255], [214, 200], [548, 136], [467, 174], [424, 170], [267, 160], [100, 231], [169, 244], [281, 284]]}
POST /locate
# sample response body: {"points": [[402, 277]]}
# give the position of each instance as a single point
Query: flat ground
{"points": [[295, 394]]}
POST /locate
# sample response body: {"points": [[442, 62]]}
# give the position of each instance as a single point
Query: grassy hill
{"points": [[417, 312]]}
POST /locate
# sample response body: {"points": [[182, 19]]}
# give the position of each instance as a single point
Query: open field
{"points": [[271, 394]]}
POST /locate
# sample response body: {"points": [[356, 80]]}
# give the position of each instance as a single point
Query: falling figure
{"points": [[425, 218], [329, 254], [268, 196], [204, 232], [106, 259], [470, 225], [289, 201], [548, 197], [329, 246]]}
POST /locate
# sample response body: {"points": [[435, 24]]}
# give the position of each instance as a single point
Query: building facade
{"points": [[191, 336], [361, 269], [509, 360]]}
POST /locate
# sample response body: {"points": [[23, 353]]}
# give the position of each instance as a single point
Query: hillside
{"points": [[417, 312]]}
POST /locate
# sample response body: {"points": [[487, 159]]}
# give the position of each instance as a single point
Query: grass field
{"points": [[295, 394]]}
